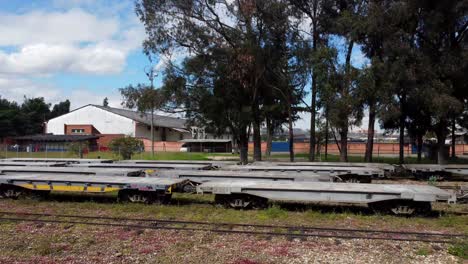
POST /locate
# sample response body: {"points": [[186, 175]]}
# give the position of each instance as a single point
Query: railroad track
{"points": [[301, 232]]}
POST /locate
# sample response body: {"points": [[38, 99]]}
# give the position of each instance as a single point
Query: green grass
{"points": [[358, 158], [110, 155], [210, 156], [423, 251], [200, 208], [459, 249]]}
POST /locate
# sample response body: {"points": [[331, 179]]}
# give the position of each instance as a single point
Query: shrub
{"points": [[78, 148], [126, 146]]}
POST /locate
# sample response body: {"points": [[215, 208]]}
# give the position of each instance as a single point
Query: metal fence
{"points": [[62, 151]]}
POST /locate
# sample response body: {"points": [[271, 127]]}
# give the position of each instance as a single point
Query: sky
{"points": [[81, 50]]}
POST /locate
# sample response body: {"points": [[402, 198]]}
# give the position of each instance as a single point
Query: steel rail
{"points": [[331, 229], [290, 234]]}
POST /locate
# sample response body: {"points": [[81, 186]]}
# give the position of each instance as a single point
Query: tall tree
{"points": [[315, 17], [34, 111], [60, 109], [146, 100], [441, 37], [240, 35], [10, 122]]}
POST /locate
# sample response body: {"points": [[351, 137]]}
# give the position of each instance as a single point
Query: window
{"points": [[77, 131]]}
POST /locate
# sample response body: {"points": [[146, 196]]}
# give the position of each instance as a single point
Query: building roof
{"points": [[159, 120], [57, 138]]}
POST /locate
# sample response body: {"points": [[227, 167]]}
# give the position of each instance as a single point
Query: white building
{"points": [[95, 119]]}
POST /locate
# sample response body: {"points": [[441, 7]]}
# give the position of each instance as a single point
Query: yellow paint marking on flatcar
{"points": [[169, 190], [64, 188]]}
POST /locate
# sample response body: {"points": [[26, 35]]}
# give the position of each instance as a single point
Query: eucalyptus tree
{"points": [[315, 22], [344, 21], [234, 43], [198, 27], [145, 99], [441, 37]]}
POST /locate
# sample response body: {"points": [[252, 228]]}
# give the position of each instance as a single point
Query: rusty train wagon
{"points": [[144, 190]]}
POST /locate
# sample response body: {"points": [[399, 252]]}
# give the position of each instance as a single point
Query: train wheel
{"points": [[401, 207], [135, 197], [241, 201], [12, 192]]}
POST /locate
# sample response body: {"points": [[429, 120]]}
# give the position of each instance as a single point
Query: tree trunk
{"points": [[419, 146], [441, 135], [344, 144], [313, 114], [313, 110], [318, 145], [401, 155], [243, 146], [257, 139], [453, 138], [152, 132], [326, 134], [257, 142], [269, 139], [345, 93], [291, 134], [370, 133]]}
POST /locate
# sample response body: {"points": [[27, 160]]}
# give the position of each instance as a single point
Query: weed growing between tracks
{"points": [[460, 249]]}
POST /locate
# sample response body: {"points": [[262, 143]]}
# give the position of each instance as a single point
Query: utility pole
{"points": [[151, 74]]}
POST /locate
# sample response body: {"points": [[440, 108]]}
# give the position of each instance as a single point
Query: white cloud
{"points": [[16, 88], [75, 41], [44, 59], [83, 96], [70, 27]]}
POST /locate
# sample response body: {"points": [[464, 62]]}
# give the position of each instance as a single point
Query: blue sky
{"points": [[81, 50]]}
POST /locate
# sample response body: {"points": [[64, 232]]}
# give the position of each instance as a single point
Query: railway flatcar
{"points": [[144, 166], [386, 167], [212, 163], [64, 160], [29, 170], [31, 164], [438, 171], [389, 198], [356, 174], [143, 190]]}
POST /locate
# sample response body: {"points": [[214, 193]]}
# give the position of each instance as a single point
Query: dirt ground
{"points": [[74, 243]]}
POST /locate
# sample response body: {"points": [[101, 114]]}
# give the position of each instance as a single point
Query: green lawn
{"points": [[209, 156]]}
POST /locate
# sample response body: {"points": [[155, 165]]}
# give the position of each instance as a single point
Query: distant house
{"points": [[109, 122]]}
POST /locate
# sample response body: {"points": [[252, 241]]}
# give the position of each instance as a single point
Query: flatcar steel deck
{"points": [[187, 162], [218, 175], [328, 170], [29, 170], [383, 166], [145, 166], [31, 164]]}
